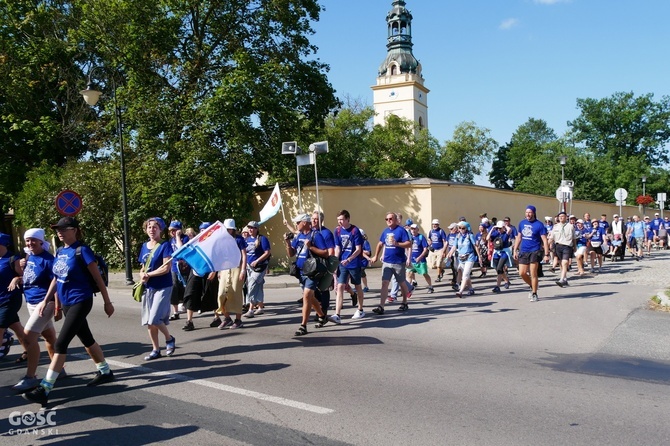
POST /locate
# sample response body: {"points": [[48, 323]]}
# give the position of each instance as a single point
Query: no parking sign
{"points": [[68, 203]]}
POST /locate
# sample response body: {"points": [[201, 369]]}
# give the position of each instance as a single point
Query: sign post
{"points": [[68, 203], [620, 195]]}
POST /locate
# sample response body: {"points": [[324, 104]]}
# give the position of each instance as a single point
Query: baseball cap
{"points": [[580, 221], [204, 225], [657, 214], [5, 239], [408, 222], [615, 215], [500, 224], [253, 224], [175, 224], [414, 226], [229, 223], [436, 221], [66, 222], [302, 217], [547, 218]]}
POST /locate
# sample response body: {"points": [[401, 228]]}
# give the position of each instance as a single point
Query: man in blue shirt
{"points": [[438, 243], [394, 241], [348, 249], [530, 245]]}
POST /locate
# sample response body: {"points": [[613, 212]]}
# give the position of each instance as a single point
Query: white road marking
{"points": [[222, 387]]}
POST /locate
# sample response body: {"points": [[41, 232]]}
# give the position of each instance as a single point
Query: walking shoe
{"points": [[101, 378], [189, 326], [354, 299], [37, 395], [26, 383], [496, 289], [249, 313], [534, 297], [237, 324], [174, 317], [170, 346], [403, 307], [335, 319], [439, 278], [530, 296], [366, 289], [471, 292], [482, 275], [379, 310], [258, 311], [390, 300], [245, 308], [227, 322], [459, 295], [155, 354], [565, 282], [321, 321], [455, 287], [359, 314], [181, 309], [414, 283], [559, 282], [215, 322], [430, 290], [507, 284]]}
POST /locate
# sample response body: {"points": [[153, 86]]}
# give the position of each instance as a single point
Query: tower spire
{"points": [[399, 57]]}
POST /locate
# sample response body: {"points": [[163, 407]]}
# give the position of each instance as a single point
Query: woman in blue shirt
{"points": [[10, 292], [71, 290], [156, 259]]}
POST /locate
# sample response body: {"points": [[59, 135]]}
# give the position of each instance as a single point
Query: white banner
{"points": [[211, 250], [272, 206]]}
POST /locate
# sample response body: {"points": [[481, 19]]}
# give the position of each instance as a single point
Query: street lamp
{"points": [[291, 148], [91, 96], [563, 160], [644, 182]]}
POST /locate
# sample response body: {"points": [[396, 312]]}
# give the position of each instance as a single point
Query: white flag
{"points": [[214, 249], [272, 206]]}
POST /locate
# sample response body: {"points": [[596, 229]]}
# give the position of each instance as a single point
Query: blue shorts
{"points": [[396, 270], [9, 311], [308, 283], [354, 273]]}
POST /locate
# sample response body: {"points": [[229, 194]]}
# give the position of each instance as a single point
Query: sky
{"points": [[500, 62]]}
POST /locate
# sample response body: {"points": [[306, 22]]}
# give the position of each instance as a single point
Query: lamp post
{"points": [[644, 206], [563, 159], [91, 96]]}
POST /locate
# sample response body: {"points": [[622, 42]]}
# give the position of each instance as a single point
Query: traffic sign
{"points": [[621, 194], [68, 203]]}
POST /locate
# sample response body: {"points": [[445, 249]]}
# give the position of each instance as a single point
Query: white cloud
{"points": [[509, 23]]}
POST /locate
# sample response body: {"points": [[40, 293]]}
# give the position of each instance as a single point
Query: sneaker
{"points": [[181, 309], [403, 307], [359, 314], [565, 282], [227, 322], [459, 295], [534, 297], [507, 284], [215, 322], [430, 290], [414, 283], [390, 300], [439, 279], [245, 308], [237, 324], [559, 282], [189, 326], [26, 383], [354, 299], [366, 289], [471, 292], [249, 313], [496, 289], [409, 293], [155, 354], [378, 310], [530, 296], [455, 287], [335, 319], [37, 395], [101, 378], [170, 346], [174, 317], [258, 311]]}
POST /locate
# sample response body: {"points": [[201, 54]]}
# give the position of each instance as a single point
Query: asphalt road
{"points": [[586, 365]]}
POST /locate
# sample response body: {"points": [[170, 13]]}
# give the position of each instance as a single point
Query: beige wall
{"points": [[422, 200]]}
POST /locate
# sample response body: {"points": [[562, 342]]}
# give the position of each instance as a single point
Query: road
{"points": [[586, 365]]}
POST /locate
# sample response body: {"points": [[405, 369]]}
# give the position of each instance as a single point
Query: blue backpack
{"points": [[102, 268]]}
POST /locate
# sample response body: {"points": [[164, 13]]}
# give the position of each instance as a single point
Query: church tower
{"points": [[400, 90]]}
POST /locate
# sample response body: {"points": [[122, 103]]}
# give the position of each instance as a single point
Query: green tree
{"points": [[463, 158]]}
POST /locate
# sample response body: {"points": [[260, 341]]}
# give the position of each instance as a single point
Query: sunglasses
{"points": [[390, 219]]}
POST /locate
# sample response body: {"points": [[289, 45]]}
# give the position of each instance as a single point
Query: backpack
{"points": [[102, 268], [498, 243]]}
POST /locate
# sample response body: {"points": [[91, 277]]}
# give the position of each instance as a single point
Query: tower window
{"points": [[394, 69], [421, 122]]}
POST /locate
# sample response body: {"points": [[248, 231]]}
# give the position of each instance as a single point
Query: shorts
{"points": [[396, 270], [499, 261], [344, 273], [581, 250], [526, 258], [419, 268], [37, 323], [467, 268], [598, 250], [563, 252], [9, 311], [230, 293], [639, 241], [435, 259], [308, 283]]}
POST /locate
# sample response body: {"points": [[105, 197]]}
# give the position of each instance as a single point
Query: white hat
{"points": [[414, 226], [436, 221], [485, 220], [36, 233], [229, 223], [302, 217], [500, 224]]}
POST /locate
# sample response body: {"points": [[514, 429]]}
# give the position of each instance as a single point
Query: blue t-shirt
{"points": [[506, 241], [348, 240], [163, 251], [451, 239], [173, 244], [597, 234], [254, 250], [437, 238], [37, 276], [465, 244], [394, 254], [302, 252], [638, 229], [419, 244], [366, 248], [648, 231], [531, 235], [72, 278], [7, 274], [580, 236]]}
